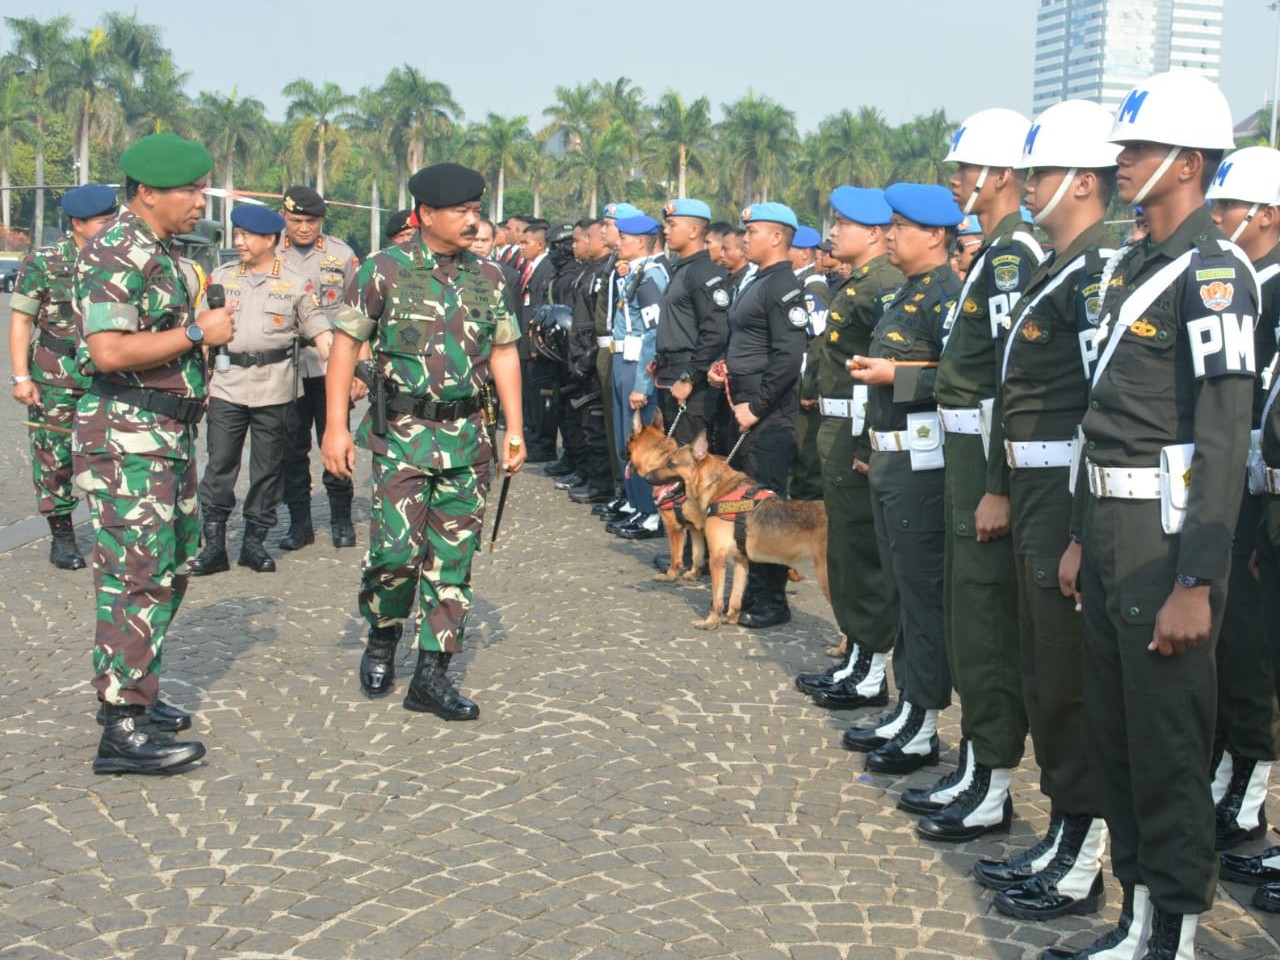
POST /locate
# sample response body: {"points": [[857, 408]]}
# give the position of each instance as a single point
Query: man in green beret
{"points": [[134, 446]]}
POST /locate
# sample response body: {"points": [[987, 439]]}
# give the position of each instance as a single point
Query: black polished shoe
{"points": [[866, 739], [1021, 867], [558, 468], [1256, 870], [1267, 897], [773, 615], [891, 759], [812, 683], [162, 716], [1040, 899], [931, 799], [1126, 939], [378, 662], [431, 691], [984, 807], [131, 744], [300, 532], [845, 696], [569, 480], [648, 526], [587, 495], [630, 519], [614, 507]]}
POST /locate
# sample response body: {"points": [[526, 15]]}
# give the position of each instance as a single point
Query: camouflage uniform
{"points": [[137, 467], [44, 292], [432, 322]]}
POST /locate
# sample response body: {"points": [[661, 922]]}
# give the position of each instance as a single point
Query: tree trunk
{"points": [[595, 195], [228, 184], [375, 217], [5, 197], [320, 165], [502, 189], [402, 183], [684, 169], [537, 200], [85, 117], [38, 231]]}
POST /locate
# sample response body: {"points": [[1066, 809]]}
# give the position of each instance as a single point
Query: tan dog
{"points": [[648, 449], [777, 530]]}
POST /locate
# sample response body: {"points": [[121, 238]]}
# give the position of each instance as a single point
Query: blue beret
{"points": [[806, 238], [621, 211], [864, 205], [637, 226], [924, 203], [969, 226], [771, 213], [91, 200], [257, 219], [685, 207]]}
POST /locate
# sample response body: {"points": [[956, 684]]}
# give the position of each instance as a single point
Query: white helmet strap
{"points": [[977, 189], [1244, 224], [1057, 196], [1156, 177]]}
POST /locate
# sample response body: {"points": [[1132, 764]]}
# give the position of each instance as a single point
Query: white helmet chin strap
{"points": [[977, 189], [1161, 170], [1057, 196], [1244, 224]]}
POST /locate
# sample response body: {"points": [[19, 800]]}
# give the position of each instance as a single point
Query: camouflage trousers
{"points": [[51, 452], [146, 529], [424, 531]]}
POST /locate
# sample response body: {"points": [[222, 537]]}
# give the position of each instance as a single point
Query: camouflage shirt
{"points": [[129, 280], [432, 323], [44, 291]]}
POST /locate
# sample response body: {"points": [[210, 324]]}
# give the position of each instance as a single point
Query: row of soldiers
{"points": [[1043, 492]]}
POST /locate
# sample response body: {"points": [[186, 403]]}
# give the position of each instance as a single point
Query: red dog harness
{"points": [[737, 506]]}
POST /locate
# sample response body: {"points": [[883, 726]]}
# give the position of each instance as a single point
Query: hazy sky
{"points": [[902, 56]]}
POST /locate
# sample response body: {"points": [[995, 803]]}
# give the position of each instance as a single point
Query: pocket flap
{"points": [[924, 431]]}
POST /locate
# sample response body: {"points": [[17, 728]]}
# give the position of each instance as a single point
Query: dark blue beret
{"points": [[637, 225], [257, 219], [91, 200]]}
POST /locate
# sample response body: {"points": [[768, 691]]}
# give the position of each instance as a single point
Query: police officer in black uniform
{"points": [[586, 403]]}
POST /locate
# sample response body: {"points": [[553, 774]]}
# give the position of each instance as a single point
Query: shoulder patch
{"points": [[1006, 275], [720, 297], [1219, 273], [1216, 296], [791, 295], [798, 316], [1006, 258]]}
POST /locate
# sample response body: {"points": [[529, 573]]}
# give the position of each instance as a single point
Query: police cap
{"points": [[770, 213], [446, 185], [864, 205], [397, 222], [686, 207], [638, 226], [924, 203], [91, 200], [303, 201], [257, 219], [165, 160], [806, 238]]}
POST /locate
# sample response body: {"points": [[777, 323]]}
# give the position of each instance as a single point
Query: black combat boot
{"points": [[378, 662], [430, 691], [300, 532], [881, 731], [164, 717], [766, 605], [63, 552], [1021, 867], [252, 552], [131, 744], [811, 683], [927, 800], [1070, 883], [1173, 936], [863, 686], [1241, 816], [558, 468], [914, 743], [340, 525], [983, 807], [213, 558], [1125, 941]]}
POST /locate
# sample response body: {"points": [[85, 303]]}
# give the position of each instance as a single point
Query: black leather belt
{"points": [[423, 409], [260, 358], [63, 348], [186, 409]]}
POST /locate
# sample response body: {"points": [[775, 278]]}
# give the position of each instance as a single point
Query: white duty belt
{"points": [[1271, 480], [961, 421], [1124, 483], [1037, 454], [605, 342], [889, 441], [834, 407]]}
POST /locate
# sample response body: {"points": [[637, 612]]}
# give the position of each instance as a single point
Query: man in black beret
{"points": [[399, 229]]}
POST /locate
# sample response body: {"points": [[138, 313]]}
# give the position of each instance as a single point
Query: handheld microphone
{"points": [[216, 298]]}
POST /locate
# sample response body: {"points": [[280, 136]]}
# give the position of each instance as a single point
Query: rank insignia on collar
{"points": [[835, 335], [1217, 295], [919, 296], [910, 307], [1144, 329]]}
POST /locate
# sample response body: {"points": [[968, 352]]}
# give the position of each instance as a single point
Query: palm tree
{"points": [[15, 127], [760, 132], [416, 110], [316, 113], [90, 101], [41, 46], [158, 103], [572, 115], [232, 128], [538, 166], [496, 146], [680, 132], [598, 164], [918, 147], [853, 148], [622, 103]]}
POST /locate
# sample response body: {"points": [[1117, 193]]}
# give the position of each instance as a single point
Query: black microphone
{"points": [[216, 297]]}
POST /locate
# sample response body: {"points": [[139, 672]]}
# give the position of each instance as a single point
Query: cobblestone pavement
{"points": [[633, 788]]}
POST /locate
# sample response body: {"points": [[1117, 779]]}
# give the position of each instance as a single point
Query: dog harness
{"points": [[738, 505]]}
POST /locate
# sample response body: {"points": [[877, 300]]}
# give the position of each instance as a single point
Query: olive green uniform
{"points": [[1180, 371], [604, 357], [853, 556], [908, 504], [1043, 399], [981, 591]]}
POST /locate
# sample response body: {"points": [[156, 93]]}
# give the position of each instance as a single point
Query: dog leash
{"points": [[676, 420], [729, 397]]}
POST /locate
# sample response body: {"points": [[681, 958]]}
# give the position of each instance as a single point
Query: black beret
{"points": [[446, 185], [305, 201], [397, 222]]}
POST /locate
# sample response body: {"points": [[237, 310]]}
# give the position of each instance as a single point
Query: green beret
{"points": [[165, 160]]}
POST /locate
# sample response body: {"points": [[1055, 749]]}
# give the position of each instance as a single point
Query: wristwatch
{"points": [[195, 333], [18, 378], [1183, 580]]}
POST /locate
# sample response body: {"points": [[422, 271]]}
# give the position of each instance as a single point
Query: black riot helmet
{"points": [[551, 335]]}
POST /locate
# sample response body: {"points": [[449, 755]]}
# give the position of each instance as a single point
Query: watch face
{"points": [[194, 333]]}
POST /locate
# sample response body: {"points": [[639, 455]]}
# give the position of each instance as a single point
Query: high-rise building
{"points": [[1098, 49]]}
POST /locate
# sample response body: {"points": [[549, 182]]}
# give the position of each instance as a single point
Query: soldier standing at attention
{"points": [[1244, 193], [134, 446], [1166, 437], [980, 592], [329, 265], [907, 475], [806, 471], [255, 394], [858, 598], [1045, 368], [436, 316], [45, 378]]}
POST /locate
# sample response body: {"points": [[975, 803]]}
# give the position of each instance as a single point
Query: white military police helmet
{"points": [[988, 139], [1073, 135], [1251, 175]]}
